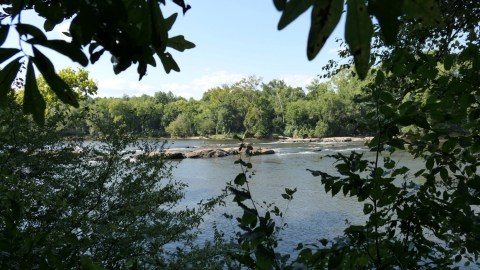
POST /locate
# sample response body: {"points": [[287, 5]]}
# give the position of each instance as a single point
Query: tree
{"points": [[71, 204], [132, 32], [425, 219]]}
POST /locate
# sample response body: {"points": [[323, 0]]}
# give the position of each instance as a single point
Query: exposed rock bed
{"points": [[329, 139], [212, 153]]}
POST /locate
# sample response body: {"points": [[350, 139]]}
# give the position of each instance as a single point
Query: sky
{"points": [[234, 39]]}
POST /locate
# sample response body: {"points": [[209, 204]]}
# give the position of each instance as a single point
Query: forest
{"points": [[71, 198], [248, 108]]}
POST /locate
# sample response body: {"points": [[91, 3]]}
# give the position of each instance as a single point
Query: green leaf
{"points": [[290, 191], [28, 29], [427, 11], [70, 50], [444, 173], [380, 77], [448, 62], [48, 25], [240, 179], [3, 33], [336, 187], [265, 257], [429, 164], [159, 27], [33, 102], [335, 260], [280, 4], [168, 63], [449, 145], [400, 171], [179, 43], [324, 19], [358, 33], [386, 110], [387, 13], [367, 208], [171, 20], [87, 264], [60, 87], [7, 76], [7, 53], [239, 195], [387, 97], [293, 9]]}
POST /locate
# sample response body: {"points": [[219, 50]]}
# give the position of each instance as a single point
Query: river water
{"points": [[311, 215]]}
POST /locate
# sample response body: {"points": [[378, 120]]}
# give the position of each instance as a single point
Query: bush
{"points": [[67, 204]]}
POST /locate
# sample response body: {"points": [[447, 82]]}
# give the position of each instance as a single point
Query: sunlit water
{"points": [[311, 215]]}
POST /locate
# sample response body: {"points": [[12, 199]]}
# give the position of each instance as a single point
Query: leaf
{"points": [[159, 27], [367, 208], [290, 191], [179, 43], [280, 4], [358, 33], [335, 260], [240, 195], [87, 264], [427, 11], [7, 53], [448, 62], [49, 25], [3, 33], [28, 29], [400, 171], [387, 13], [7, 75], [33, 102], [387, 97], [325, 17], [265, 257], [60, 87], [380, 77], [293, 9], [449, 145], [170, 21], [168, 63], [444, 173], [240, 179], [72, 51], [336, 187]]}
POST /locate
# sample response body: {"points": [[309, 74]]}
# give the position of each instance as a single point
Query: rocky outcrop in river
{"points": [[213, 152]]}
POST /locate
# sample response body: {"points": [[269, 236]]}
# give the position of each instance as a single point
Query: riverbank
{"points": [[279, 138]]}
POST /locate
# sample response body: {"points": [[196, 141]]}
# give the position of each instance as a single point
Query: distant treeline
{"points": [[248, 107]]}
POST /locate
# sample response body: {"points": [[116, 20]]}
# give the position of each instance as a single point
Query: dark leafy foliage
{"points": [[133, 32], [110, 202]]}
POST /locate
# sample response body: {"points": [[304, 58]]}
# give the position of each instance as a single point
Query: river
{"points": [[311, 215]]}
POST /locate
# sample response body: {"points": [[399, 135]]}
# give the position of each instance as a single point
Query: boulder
{"points": [[174, 155], [262, 151]]}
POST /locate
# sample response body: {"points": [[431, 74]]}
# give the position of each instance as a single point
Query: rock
{"points": [[174, 155], [212, 153], [262, 151]]}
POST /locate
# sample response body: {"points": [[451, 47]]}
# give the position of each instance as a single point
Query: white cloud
{"points": [[297, 80], [196, 87], [119, 86]]}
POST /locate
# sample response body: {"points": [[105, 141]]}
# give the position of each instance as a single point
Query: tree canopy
{"points": [[419, 62], [133, 32]]}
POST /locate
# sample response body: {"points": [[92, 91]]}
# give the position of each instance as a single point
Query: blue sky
{"points": [[234, 39]]}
